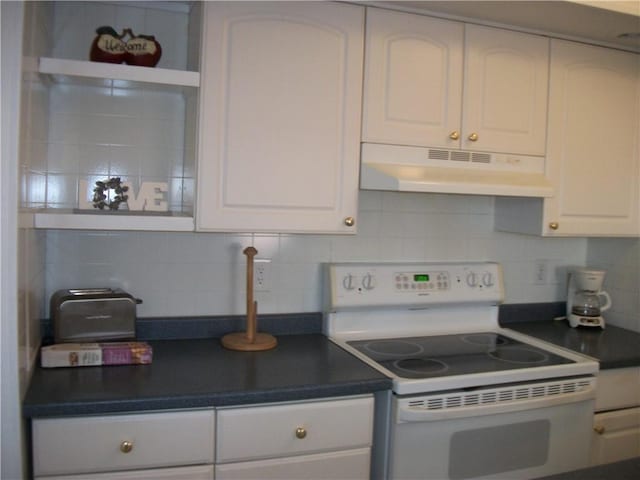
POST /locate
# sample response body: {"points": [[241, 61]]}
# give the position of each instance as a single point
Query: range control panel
{"points": [[366, 284]]}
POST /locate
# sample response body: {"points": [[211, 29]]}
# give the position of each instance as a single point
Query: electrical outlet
{"points": [[541, 272], [262, 274]]}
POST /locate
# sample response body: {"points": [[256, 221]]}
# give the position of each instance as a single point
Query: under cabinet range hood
{"points": [[401, 168]]}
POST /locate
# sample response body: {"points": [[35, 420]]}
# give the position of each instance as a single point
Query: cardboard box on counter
{"points": [[95, 354]]}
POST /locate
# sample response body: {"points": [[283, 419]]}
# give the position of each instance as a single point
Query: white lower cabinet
{"points": [[199, 472], [328, 438], [134, 444], [616, 424], [308, 440], [616, 436], [335, 465]]}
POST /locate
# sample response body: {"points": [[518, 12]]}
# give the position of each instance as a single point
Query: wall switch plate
{"points": [[541, 272], [261, 274]]}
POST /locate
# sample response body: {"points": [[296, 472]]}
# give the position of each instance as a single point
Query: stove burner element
{"points": [[485, 339], [394, 348], [421, 365], [519, 355]]}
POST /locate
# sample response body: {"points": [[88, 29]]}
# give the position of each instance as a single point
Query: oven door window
{"points": [[473, 452]]}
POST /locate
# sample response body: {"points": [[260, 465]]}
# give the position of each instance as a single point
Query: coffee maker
{"points": [[585, 299]]}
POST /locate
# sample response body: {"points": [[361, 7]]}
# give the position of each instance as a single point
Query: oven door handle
{"points": [[421, 414]]}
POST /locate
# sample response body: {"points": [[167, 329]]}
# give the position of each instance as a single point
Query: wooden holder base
{"points": [[240, 341]]}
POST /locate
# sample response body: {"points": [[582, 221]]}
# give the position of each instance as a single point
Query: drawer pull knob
{"points": [[349, 221], [554, 225], [455, 135], [473, 137], [126, 446], [301, 432], [599, 429]]}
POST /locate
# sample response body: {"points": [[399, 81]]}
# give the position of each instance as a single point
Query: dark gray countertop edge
{"points": [[207, 401]]}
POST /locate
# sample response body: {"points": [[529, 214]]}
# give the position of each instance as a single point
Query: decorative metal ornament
{"points": [[102, 197]]}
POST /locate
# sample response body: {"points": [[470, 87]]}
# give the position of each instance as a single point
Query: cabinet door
{"points": [[505, 91], [592, 157], [351, 464], [413, 79], [616, 436], [280, 117]]}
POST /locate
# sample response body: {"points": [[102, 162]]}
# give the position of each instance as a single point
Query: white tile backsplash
{"points": [[185, 274], [621, 259]]}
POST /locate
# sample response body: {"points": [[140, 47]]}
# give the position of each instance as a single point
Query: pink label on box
{"points": [[116, 355]]}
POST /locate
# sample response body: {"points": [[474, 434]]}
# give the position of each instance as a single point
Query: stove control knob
{"points": [[349, 282], [487, 279], [369, 282], [472, 279]]}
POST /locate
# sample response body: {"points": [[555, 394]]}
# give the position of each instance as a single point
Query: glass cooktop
{"points": [[459, 354]]}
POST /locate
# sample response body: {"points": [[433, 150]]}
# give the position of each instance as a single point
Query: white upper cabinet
{"points": [[592, 150], [413, 79], [280, 117], [438, 83], [593, 140], [505, 91]]}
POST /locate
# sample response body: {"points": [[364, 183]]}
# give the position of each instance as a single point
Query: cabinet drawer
{"points": [[616, 436], [96, 444], [351, 464], [199, 472], [288, 429]]}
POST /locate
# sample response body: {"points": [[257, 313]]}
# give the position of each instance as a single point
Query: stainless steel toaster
{"points": [[93, 314]]}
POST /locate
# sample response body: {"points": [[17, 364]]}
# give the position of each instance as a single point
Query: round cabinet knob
{"points": [[349, 221], [126, 446], [301, 432], [487, 279], [473, 137], [349, 282], [472, 279], [599, 429], [455, 135], [369, 282], [554, 225]]}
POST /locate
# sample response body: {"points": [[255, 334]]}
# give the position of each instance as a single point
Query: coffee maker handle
{"points": [[607, 304]]}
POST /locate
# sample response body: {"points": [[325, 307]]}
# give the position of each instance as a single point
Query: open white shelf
{"points": [[69, 71], [65, 219]]}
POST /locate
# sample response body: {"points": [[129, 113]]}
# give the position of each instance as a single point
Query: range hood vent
{"points": [[422, 169]]}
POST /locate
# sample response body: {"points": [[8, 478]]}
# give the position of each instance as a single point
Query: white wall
{"points": [[203, 274], [621, 259]]}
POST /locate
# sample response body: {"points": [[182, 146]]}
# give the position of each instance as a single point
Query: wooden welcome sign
{"points": [[140, 50]]}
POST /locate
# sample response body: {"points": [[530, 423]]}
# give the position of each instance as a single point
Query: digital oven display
{"points": [[421, 277]]}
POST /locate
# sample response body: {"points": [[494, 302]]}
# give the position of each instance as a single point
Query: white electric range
{"points": [[470, 399]]}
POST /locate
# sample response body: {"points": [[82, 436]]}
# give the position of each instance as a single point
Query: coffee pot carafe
{"points": [[585, 299]]}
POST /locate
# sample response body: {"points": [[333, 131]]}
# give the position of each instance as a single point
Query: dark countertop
{"points": [[201, 373], [624, 470], [613, 347]]}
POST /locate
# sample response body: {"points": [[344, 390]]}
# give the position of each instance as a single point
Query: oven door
{"points": [[515, 438]]}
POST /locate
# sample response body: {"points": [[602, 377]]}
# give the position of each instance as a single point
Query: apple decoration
{"points": [[140, 50], [107, 46]]}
